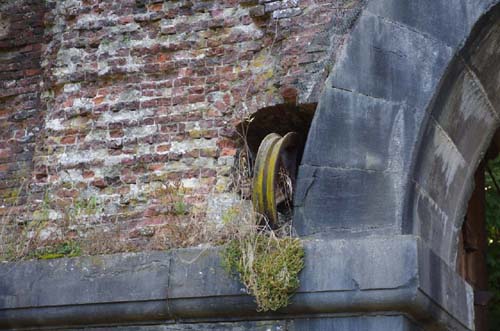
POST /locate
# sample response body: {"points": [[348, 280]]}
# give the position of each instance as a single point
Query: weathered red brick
{"points": [[68, 140], [133, 110]]}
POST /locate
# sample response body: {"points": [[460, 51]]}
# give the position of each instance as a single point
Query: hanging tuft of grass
{"points": [[268, 266]]}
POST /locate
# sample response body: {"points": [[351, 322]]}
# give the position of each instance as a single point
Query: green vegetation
{"points": [[181, 208], [59, 250], [493, 228], [84, 206], [55, 229], [23, 240], [268, 267]]}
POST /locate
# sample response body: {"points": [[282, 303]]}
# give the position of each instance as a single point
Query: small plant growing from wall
{"points": [[268, 263], [70, 248]]}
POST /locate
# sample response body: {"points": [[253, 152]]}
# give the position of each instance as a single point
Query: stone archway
{"points": [[463, 117], [402, 123], [405, 119]]}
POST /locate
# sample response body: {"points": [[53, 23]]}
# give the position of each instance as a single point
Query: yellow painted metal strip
{"points": [[260, 172], [266, 173], [272, 169], [272, 175]]}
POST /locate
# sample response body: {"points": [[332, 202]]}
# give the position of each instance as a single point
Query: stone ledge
{"points": [[189, 285]]}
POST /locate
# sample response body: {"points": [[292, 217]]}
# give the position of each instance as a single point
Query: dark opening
{"points": [[280, 119], [479, 246]]}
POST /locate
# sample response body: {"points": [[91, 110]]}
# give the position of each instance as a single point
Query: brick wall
{"points": [[21, 112], [126, 97]]}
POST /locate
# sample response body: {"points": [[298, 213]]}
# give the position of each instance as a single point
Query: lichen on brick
{"points": [[112, 100]]}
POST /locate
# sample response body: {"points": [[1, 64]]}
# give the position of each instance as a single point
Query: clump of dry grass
{"points": [[268, 262]]}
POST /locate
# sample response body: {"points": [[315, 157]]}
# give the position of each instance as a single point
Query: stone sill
{"points": [[369, 275]]}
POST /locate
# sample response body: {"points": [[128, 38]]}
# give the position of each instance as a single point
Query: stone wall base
{"points": [[375, 283]]}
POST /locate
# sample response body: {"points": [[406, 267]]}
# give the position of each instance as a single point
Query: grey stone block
{"points": [[227, 326], [449, 156], [482, 54], [342, 201], [442, 284], [334, 281], [428, 220], [448, 20], [390, 61], [462, 106], [352, 323], [348, 262], [98, 279], [201, 266], [197, 279], [353, 131], [441, 168], [362, 323]]}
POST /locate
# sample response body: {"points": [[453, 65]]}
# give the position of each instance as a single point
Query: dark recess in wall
{"points": [[279, 119]]}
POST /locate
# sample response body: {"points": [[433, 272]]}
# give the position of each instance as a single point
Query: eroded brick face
{"points": [[124, 97], [21, 112]]}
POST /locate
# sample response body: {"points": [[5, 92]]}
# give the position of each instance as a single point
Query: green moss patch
{"points": [[268, 267], [59, 250]]}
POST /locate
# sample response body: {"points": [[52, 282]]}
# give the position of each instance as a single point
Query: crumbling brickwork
{"points": [[126, 97], [21, 112]]}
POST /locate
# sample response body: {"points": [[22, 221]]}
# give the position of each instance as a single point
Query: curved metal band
{"points": [[265, 175]]}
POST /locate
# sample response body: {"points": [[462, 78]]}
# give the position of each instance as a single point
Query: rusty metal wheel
{"points": [[274, 176]]}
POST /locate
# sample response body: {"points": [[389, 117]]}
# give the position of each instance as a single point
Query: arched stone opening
{"points": [[462, 119], [402, 124], [397, 136], [354, 176], [476, 241]]}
